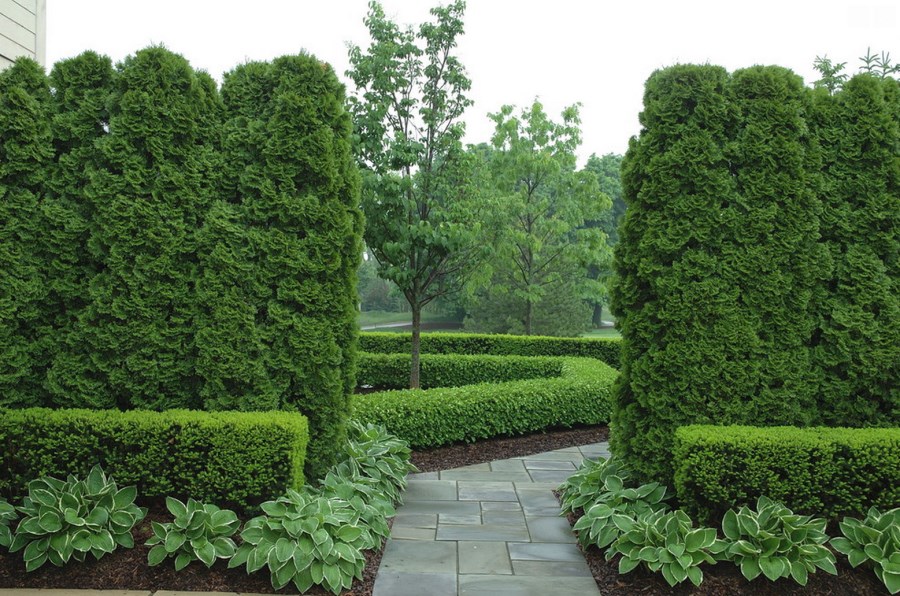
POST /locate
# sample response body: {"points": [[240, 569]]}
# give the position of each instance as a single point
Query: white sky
{"points": [[596, 52]]}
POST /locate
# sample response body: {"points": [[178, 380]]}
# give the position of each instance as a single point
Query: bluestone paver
{"points": [[492, 528]]}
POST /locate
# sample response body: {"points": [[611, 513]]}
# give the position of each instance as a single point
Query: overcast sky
{"points": [[598, 53]]}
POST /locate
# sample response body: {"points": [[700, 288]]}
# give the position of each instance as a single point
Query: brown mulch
{"points": [[128, 569]]}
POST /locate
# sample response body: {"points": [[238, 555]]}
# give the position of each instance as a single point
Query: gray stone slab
{"points": [[483, 467], [461, 507], [545, 552], [459, 518], [407, 533], [485, 476], [503, 518], [486, 491], [507, 465], [430, 490], [543, 464], [573, 456], [501, 506], [416, 556], [550, 529], [552, 568], [487, 558], [484, 532], [557, 476], [538, 502], [415, 520], [546, 486], [524, 585], [423, 476], [392, 583]]}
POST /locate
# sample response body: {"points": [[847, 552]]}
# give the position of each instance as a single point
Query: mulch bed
{"points": [[128, 569]]}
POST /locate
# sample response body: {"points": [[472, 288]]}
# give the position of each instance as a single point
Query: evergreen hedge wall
{"points": [[727, 296], [167, 245]]}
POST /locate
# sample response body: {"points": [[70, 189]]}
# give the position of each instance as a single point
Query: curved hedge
{"points": [[603, 349], [391, 371], [434, 417], [816, 471]]}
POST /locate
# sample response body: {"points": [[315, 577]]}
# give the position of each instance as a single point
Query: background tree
{"points": [[418, 203], [543, 203], [608, 171]]}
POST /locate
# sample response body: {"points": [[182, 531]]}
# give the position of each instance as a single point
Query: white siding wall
{"points": [[22, 28]]}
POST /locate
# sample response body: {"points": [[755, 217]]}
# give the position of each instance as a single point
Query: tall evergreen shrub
{"points": [[855, 348], [716, 260], [290, 231], [150, 195], [25, 156], [81, 89]]}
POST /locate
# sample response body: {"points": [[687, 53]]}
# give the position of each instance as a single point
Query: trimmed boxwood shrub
{"points": [[429, 418], [606, 350], [232, 458], [389, 371], [815, 471]]}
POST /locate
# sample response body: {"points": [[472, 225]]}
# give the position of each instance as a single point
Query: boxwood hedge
{"points": [[391, 371], [819, 471], [604, 349], [434, 417], [232, 458]]}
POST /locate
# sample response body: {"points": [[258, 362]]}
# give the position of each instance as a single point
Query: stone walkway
{"points": [[490, 528]]}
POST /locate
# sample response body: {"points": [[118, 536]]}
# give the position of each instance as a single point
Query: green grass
{"points": [[380, 317], [604, 332]]}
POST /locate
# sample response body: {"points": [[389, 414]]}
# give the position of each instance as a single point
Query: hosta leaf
{"points": [[799, 572], [284, 549], [282, 576], [317, 572], [750, 568], [274, 508], [124, 539], [350, 533], [35, 563], [176, 507], [50, 522], [240, 556], [35, 549], [125, 497], [182, 561], [891, 582], [44, 497], [224, 547], [730, 525], [156, 555], [667, 574], [123, 519], [874, 552], [98, 516], [772, 568], [332, 574], [303, 581], [827, 564], [206, 553], [103, 541], [748, 524], [174, 540], [627, 564]]}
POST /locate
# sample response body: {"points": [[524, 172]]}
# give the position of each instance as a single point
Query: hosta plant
{"points": [[312, 537], [199, 532], [67, 520], [584, 486], [875, 539], [665, 542], [7, 516], [597, 526], [372, 452], [775, 542]]}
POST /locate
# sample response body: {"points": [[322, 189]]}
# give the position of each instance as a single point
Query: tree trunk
{"points": [[528, 308], [597, 318], [414, 367]]}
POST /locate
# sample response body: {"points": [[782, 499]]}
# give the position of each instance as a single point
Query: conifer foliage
{"points": [[755, 287], [167, 245]]}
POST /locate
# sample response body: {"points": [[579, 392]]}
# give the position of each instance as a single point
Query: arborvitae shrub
{"points": [[25, 157], [855, 346], [717, 260], [290, 234], [81, 92]]}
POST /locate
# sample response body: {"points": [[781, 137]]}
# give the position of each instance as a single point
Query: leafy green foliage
{"points": [[263, 451], [615, 506], [429, 418], [543, 249], [666, 542], [199, 532], [775, 542], [453, 370], [605, 350], [7, 516], [66, 520], [822, 471], [418, 195], [308, 538], [875, 539], [588, 482], [376, 454]]}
